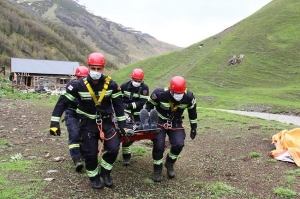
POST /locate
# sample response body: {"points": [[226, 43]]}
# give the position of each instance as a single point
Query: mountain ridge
{"points": [[120, 45]]}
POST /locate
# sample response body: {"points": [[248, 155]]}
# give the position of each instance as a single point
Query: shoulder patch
{"points": [[118, 88], [70, 87], [153, 96], [145, 92]]}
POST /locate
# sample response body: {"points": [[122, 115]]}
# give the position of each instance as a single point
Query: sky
{"points": [[178, 22]]}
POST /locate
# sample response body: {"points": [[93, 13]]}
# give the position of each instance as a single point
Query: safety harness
{"points": [[97, 104], [168, 124]]}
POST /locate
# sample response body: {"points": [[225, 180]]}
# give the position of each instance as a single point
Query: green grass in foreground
{"points": [[18, 187]]}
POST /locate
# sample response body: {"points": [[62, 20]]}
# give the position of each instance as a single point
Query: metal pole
{"points": [[12, 86]]}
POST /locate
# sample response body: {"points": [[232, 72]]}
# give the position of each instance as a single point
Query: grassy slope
{"points": [[268, 75]]}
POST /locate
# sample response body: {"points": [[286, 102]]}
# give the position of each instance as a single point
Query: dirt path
{"points": [[268, 116]]}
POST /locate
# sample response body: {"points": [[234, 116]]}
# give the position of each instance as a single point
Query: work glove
{"points": [[130, 132], [193, 133], [126, 132], [54, 128]]}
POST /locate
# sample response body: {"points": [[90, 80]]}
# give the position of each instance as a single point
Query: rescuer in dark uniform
{"points": [[96, 95], [71, 120], [170, 104], [135, 95]]}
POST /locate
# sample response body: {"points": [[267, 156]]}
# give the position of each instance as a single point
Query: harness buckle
{"points": [[169, 121], [168, 124]]}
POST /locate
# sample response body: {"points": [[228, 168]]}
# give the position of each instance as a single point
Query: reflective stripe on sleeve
{"points": [[118, 94], [122, 118], [55, 119], [69, 96], [194, 102], [161, 116], [152, 102], [144, 96]]}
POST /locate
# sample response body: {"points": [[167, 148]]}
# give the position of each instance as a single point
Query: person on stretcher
{"points": [[148, 121]]}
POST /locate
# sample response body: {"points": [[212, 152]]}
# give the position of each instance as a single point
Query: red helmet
{"points": [[96, 59], [137, 74], [81, 71], [178, 84]]}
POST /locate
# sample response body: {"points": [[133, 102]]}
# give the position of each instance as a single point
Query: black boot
{"points": [[126, 162], [78, 164], [96, 183], [157, 176], [170, 169], [126, 156], [108, 182]]}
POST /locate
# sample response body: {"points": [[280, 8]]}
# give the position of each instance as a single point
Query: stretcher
{"points": [[141, 135]]}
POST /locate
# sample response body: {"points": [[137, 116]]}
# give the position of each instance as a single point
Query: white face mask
{"points": [[95, 75], [177, 96], [136, 84]]}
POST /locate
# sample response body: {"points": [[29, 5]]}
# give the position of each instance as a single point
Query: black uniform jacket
{"points": [[72, 106], [162, 100], [136, 96], [86, 106]]}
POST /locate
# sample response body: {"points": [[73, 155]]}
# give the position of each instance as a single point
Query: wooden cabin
{"points": [[41, 74]]}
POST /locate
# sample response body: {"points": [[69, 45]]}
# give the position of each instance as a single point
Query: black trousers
{"points": [[176, 139], [90, 143]]}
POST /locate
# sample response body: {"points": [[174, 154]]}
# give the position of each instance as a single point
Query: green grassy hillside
{"points": [[266, 80]]}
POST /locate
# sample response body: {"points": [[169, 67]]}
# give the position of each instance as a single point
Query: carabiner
{"points": [[98, 121], [98, 118]]}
